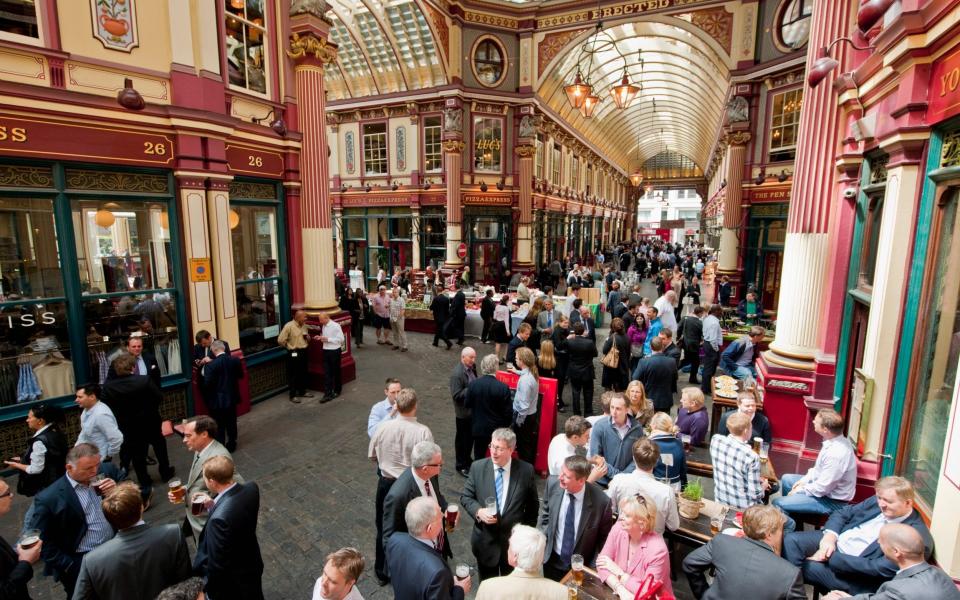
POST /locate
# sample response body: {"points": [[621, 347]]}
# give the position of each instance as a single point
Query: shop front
{"points": [[763, 251], [489, 238], [379, 239]]}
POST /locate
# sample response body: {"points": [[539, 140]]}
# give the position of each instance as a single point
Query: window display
{"points": [[256, 264], [487, 144], [245, 31]]}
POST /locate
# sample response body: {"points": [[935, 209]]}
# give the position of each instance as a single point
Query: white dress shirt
{"points": [[318, 592], [624, 485], [560, 448], [853, 542], [334, 334], [421, 485], [506, 481], [834, 475], [216, 499], [562, 516]]}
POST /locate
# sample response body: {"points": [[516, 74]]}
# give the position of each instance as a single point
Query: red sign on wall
{"points": [[244, 159], [27, 136], [944, 88]]}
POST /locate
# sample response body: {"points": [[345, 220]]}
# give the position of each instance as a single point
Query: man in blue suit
{"points": [[70, 517], [222, 394], [228, 554], [846, 554], [417, 570]]}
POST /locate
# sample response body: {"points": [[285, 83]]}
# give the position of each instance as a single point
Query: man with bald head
{"points": [[915, 578], [295, 337], [463, 374]]}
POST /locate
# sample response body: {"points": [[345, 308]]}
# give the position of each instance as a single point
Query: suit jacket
{"points": [[658, 373], [544, 317], [139, 562], [221, 382], [491, 404], [582, 351], [199, 352], [745, 568], [458, 306], [691, 332], [440, 307], [520, 585], [869, 570], [596, 519], [135, 402], [59, 517], [153, 368], [489, 542], [590, 328], [459, 381], [228, 554], [919, 582], [14, 574], [417, 571], [193, 524], [403, 490]]}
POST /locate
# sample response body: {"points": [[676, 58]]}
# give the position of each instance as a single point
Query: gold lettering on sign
{"points": [[255, 161], [488, 144], [949, 81], [619, 10], [154, 149], [17, 135]]}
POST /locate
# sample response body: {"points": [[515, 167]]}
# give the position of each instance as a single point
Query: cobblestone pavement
{"points": [[317, 486]]}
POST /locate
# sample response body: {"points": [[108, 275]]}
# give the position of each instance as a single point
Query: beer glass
{"points": [[177, 491], [451, 517], [29, 538], [199, 504], [764, 452], [576, 564], [492, 505], [685, 438], [95, 482], [463, 572]]}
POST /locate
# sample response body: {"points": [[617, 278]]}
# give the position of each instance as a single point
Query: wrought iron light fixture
{"points": [[581, 94], [636, 178], [826, 63]]}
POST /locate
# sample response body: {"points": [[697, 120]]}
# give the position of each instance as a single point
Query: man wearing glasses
{"points": [[499, 493]]}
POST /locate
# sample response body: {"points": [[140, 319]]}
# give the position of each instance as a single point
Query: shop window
{"points": [[353, 229], [871, 241], [245, 48], [575, 173], [254, 235], [375, 149], [29, 254], [432, 147], [401, 228], [784, 125], [489, 66], [555, 164], [539, 159], [433, 229], [487, 144], [793, 24], [19, 21], [486, 229], [939, 351]]}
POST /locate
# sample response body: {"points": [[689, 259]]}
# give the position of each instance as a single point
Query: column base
{"points": [[788, 384]]}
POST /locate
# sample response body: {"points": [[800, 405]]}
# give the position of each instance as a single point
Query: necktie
{"points": [[569, 530], [499, 484], [549, 319], [426, 487]]}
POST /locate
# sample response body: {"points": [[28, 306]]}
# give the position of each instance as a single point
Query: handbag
{"points": [[651, 589], [636, 350], [612, 358]]}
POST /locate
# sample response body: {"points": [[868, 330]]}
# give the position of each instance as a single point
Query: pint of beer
{"points": [[451, 517], [576, 564], [177, 491]]}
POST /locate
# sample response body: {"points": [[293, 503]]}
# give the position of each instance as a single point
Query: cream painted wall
{"points": [[153, 26], [410, 133], [896, 234], [946, 511], [333, 163]]}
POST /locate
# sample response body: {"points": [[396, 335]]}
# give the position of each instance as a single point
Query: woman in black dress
{"points": [[616, 378], [559, 338], [349, 303]]}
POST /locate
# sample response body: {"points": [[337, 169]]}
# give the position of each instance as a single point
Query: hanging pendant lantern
{"points": [[577, 91], [589, 105], [624, 93]]}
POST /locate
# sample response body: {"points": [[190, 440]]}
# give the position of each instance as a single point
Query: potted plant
{"points": [[690, 500]]}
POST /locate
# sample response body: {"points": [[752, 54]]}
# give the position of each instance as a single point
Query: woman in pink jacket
{"points": [[637, 335], [634, 551]]}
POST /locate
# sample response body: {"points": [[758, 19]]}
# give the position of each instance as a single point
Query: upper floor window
{"points": [[375, 149], [783, 127], [19, 21], [432, 148], [487, 144], [488, 61], [555, 165], [793, 24], [246, 32], [575, 173], [539, 158]]}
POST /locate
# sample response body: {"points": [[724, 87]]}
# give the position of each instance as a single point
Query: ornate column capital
{"points": [[525, 151], [309, 46], [737, 138], [453, 146]]}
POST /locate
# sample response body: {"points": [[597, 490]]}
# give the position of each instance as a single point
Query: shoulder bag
{"points": [[612, 358]]}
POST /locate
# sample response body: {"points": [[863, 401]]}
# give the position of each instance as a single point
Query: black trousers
{"points": [[527, 437], [485, 334], [383, 488], [563, 362], [134, 450], [356, 328], [297, 372], [481, 443], [498, 570], [159, 444], [331, 372], [586, 387], [226, 419], [69, 577], [692, 358], [463, 443], [711, 358], [441, 332], [554, 567]]}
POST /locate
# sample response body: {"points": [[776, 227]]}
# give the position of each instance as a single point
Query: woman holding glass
{"points": [[635, 556], [526, 417]]}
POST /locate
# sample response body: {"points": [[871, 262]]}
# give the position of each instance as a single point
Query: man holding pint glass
{"points": [[16, 563], [421, 479]]}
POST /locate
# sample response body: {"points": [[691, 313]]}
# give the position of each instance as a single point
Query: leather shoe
{"points": [[382, 581], [326, 399], [294, 399], [306, 395], [463, 472]]}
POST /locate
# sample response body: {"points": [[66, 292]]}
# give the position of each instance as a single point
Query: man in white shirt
{"points": [[665, 306], [575, 439], [623, 485], [386, 409], [98, 426], [832, 481], [331, 334], [340, 574]]}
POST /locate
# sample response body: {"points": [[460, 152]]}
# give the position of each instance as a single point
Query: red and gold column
{"points": [[524, 258], [730, 235], [453, 165], [310, 51]]}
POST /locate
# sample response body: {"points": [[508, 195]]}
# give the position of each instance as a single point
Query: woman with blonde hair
{"points": [[547, 360], [526, 414], [664, 434], [638, 405], [634, 551]]}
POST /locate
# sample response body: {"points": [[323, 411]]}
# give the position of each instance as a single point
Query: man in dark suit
{"points": [[70, 517], [202, 354], [916, 579], [417, 570], [691, 334], [458, 314], [747, 567], [140, 561], [490, 402], [135, 403], [145, 363], [581, 351], [589, 327], [420, 480], [228, 554], [658, 374], [223, 393], [846, 555], [576, 517], [464, 373], [518, 341], [16, 564], [499, 493], [440, 307]]}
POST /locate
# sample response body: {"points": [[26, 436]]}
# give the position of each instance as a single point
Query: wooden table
{"points": [[700, 463], [593, 588]]}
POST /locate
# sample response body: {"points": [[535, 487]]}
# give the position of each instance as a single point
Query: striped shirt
{"points": [[98, 529]]}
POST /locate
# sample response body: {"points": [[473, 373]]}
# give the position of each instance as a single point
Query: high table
{"points": [[592, 588]]}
